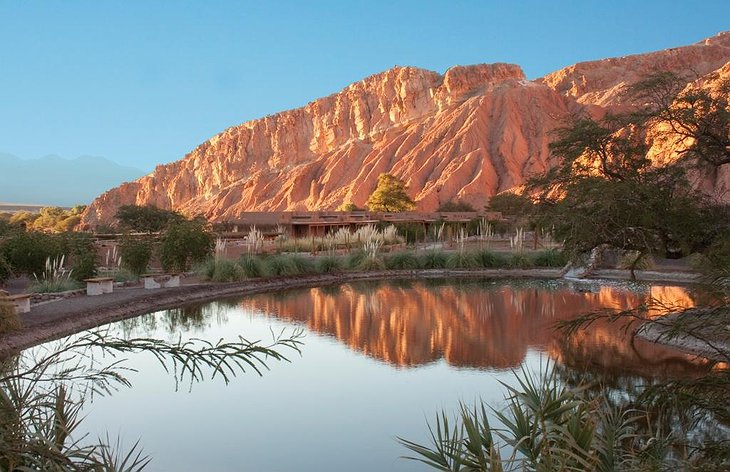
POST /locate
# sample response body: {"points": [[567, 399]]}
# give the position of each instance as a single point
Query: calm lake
{"points": [[378, 360]]}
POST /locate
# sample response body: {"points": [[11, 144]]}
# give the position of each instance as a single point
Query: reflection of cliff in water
{"points": [[479, 324]]}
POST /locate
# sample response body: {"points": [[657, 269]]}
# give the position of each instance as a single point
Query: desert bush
{"points": [[252, 266], [27, 252], [54, 278], [434, 260], [550, 426], [329, 264], [303, 265], [462, 260], [520, 260], [355, 259], [80, 246], [489, 259], [5, 270], [185, 243], [549, 258], [9, 320], [280, 265], [136, 254], [222, 270], [371, 263], [402, 260]]}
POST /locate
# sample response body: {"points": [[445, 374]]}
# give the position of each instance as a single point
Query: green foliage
{"points": [[54, 285], [329, 264], [462, 260], [550, 427], [146, 219], [281, 265], [434, 259], [550, 258], [371, 263], [184, 243], [520, 260], [302, 265], [9, 320], [252, 266], [455, 205], [489, 259], [222, 270], [354, 260], [390, 194], [402, 261], [349, 206], [5, 270], [27, 252], [80, 247], [511, 204], [136, 253]]}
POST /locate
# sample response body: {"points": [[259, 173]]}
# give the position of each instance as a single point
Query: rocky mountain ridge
{"points": [[467, 134]]}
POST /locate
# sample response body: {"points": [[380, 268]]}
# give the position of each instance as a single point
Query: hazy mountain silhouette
{"points": [[53, 180]]}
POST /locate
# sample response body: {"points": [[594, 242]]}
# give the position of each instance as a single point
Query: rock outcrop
{"points": [[467, 134]]}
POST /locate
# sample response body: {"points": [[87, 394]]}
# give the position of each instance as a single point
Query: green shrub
{"points": [[302, 265], [550, 258], [462, 260], [222, 270], [9, 320], [252, 266], [27, 252], [355, 259], [329, 264], [184, 243], [5, 270], [136, 254], [402, 260], [434, 260], [520, 260], [281, 265], [488, 259], [371, 263], [82, 251], [54, 285]]}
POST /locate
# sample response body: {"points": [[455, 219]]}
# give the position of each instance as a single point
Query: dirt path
{"points": [[61, 318]]}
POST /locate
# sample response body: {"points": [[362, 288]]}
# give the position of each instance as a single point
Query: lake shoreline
{"points": [[54, 320]]}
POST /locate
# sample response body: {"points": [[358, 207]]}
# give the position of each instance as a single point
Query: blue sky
{"points": [[144, 82]]}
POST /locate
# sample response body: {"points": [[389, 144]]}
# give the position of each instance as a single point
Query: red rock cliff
{"points": [[468, 134]]}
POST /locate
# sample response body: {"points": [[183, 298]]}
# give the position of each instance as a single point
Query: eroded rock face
{"points": [[468, 134]]}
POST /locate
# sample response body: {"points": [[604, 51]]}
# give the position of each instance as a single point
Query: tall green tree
{"points": [[145, 219], [390, 194]]}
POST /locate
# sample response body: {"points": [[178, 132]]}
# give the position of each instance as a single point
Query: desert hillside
{"points": [[467, 134]]}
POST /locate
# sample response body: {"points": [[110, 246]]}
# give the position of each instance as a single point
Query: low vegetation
{"points": [[9, 319]]}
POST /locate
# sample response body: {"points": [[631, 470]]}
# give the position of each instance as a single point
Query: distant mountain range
{"points": [[53, 180]]}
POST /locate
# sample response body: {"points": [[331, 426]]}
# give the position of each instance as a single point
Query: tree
{"points": [[693, 119], [145, 219], [136, 254], [390, 195], [184, 243], [455, 205], [349, 206]]}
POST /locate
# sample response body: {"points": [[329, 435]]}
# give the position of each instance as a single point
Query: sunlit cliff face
{"points": [[478, 325]]}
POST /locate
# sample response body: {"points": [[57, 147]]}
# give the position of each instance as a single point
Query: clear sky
{"points": [[144, 82]]}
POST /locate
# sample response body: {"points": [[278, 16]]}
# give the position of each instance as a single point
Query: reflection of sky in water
{"points": [[338, 405]]}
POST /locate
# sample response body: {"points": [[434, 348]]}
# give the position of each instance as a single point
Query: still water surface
{"points": [[378, 360]]}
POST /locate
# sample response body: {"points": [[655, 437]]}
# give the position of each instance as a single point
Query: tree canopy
{"points": [[145, 219], [390, 194]]}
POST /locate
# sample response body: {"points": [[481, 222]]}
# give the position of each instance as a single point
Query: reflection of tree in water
{"points": [[43, 390]]}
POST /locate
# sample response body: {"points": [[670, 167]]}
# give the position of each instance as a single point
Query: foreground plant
{"points": [[546, 426], [43, 391]]}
